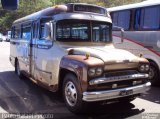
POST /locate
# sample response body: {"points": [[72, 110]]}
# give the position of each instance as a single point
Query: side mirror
{"points": [[10, 4], [116, 28], [47, 31], [53, 29]]}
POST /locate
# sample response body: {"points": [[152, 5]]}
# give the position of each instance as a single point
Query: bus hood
{"points": [[107, 54]]}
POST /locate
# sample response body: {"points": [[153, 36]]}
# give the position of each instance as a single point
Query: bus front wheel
{"points": [[153, 73], [72, 94]]}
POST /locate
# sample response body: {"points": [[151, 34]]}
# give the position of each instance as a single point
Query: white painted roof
{"points": [[136, 5]]}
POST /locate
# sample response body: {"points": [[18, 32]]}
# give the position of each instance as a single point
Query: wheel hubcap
{"points": [[71, 93]]}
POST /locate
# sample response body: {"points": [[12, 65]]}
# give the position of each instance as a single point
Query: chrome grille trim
{"points": [[114, 93], [117, 78]]}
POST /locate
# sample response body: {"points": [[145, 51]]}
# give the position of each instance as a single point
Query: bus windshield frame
{"points": [[83, 31]]}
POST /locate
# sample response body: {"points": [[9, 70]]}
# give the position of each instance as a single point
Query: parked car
{"points": [[4, 38], [1, 39], [8, 36]]}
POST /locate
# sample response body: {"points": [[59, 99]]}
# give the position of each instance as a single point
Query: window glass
{"points": [[86, 8], [16, 32], [83, 31], [1, 35], [151, 18], [122, 19], [80, 31], [100, 32], [42, 35], [26, 33], [72, 31], [12, 32], [115, 19], [42, 27]]}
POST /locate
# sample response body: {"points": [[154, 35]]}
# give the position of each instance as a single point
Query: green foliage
{"points": [[27, 7]]}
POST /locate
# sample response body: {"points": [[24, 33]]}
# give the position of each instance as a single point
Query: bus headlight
{"points": [[147, 67], [99, 71], [95, 72], [92, 72], [144, 68]]}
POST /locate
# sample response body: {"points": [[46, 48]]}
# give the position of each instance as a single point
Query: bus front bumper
{"points": [[117, 93]]}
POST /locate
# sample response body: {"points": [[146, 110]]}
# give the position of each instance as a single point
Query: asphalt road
{"points": [[22, 96]]}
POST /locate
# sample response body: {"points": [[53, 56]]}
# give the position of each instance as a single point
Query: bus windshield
{"points": [[83, 31]]}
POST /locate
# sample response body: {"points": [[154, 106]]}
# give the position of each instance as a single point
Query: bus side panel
{"points": [[47, 62], [141, 42]]}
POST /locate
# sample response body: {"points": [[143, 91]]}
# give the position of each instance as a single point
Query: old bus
{"points": [[69, 48], [141, 22]]}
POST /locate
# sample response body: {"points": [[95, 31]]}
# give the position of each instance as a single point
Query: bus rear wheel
{"points": [[17, 70], [153, 73]]}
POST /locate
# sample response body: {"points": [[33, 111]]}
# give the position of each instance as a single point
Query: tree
{"points": [[26, 7]]}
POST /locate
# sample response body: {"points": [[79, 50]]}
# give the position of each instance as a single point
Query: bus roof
{"points": [[45, 12], [136, 5], [60, 9]]}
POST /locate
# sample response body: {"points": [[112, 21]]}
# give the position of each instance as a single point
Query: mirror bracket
{"points": [[116, 28]]}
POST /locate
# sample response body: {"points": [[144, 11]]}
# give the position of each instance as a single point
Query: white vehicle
{"points": [[69, 48], [4, 38], [141, 22], [8, 36], [1, 37]]}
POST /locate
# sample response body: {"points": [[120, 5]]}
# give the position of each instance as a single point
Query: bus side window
{"points": [[115, 18], [122, 19], [42, 27], [26, 33], [16, 32], [151, 17]]}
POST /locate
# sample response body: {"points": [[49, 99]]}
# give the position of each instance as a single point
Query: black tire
{"points": [[72, 94], [154, 74], [17, 70]]}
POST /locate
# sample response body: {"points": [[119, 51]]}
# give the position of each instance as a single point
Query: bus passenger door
{"points": [[33, 51], [25, 48], [42, 55]]}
